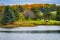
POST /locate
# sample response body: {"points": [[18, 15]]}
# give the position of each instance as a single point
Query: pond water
{"points": [[30, 36], [38, 28]]}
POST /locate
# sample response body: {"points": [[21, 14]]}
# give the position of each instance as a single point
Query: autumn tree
{"points": [[29, 14]]}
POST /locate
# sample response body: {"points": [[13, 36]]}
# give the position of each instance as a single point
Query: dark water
{"points": [[30, 33]]}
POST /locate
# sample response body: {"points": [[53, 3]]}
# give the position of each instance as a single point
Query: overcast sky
{"points": [[29, 1]]}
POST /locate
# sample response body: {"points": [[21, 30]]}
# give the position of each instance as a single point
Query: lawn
{"points": [[30, 23]]}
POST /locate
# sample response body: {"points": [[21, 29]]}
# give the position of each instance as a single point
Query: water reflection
{"points": [[29, 36], [35, 31]]}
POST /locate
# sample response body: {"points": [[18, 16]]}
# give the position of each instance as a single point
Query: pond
{"points": [[30, 33]]}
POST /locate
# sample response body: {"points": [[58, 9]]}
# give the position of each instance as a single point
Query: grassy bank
{"points": [[31, 23]]}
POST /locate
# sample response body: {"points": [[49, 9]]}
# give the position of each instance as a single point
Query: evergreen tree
{"points": [[16, 13], [42, 9], [8, 15]]}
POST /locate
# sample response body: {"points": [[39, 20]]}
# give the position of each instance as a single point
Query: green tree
{"points": [[8, 15], [42, 9], [47, 14], [58, 13], [16, 14], [53, 7], [20, 8], [22, 17], [35, 11]]}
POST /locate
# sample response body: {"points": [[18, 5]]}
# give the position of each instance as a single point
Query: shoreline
{"points": [[16, 26]]}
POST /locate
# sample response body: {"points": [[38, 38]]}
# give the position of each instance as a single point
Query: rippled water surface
{"points": [[30, 36]]}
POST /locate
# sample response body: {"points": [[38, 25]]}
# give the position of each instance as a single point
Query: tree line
{"points": [[10, 14]]}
